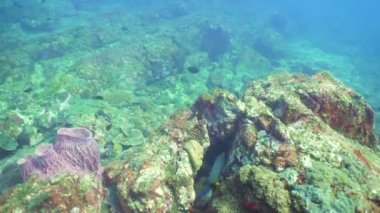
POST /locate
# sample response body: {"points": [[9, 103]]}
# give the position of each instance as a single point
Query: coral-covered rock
{"points": [[303, 145], [342, 108], [293, 98], [221, 111], [159, 175], [268, 187], [64, 193]]}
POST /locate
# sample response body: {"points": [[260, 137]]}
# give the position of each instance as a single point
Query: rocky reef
{"points": [[294, 153], [283, 152], [290, 143]]}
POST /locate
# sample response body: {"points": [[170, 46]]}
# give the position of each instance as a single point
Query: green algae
{"points": [[87, 183]]}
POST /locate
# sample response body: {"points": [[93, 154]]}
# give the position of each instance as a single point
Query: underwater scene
{"points": [[189, 106]]}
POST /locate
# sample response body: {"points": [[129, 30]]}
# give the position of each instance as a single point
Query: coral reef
{"points": [[287, 156], [120, 70], [285, 146], [220, 110], [281, 155]]}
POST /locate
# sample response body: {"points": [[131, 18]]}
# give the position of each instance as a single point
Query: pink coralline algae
{"points": [[75, 152]]}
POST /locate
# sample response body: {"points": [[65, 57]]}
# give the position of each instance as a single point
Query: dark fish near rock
{"points": [[98, 97], [193, 69], [18, 5], [28, 89]]}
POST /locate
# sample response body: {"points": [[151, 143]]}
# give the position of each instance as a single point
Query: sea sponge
{"points": [[75, 152]]}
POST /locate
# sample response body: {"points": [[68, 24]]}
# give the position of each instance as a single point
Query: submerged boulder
{"points": [[279, 153], [159, 175], [304, 146]]}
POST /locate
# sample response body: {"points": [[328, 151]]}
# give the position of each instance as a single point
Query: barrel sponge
{"points": [[75, 152]]}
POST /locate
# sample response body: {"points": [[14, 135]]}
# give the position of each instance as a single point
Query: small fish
{"points": [[28, 89], [108, 127], [18, 5], [193, 69], [217, 184], [98, 97], [124, 28]]}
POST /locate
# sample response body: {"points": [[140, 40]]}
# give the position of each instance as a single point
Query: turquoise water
{"points": [[121, 68]]}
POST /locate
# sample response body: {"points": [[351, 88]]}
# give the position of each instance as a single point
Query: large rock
{"points": [[306, 144], [283, 153], [295, 97], [159, 176]]}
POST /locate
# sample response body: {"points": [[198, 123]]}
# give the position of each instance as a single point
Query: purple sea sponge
{"points": [[26, 165], [47, 162], [75, 152], [78, 148]]}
